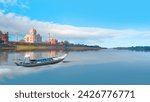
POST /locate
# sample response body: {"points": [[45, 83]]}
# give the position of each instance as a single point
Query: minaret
{"points": [[16, 37], [48, 36]]}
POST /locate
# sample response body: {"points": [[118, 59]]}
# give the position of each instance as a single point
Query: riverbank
{"points": [[136, 48], [33, 47], [83, 48], [41, 47], [7, 47], [69, 48]]}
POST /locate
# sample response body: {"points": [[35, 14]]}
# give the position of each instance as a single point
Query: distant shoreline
{"points": [[136, 48], [66, 48]]}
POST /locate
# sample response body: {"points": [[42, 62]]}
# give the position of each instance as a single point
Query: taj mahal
{"points": [[33, 37]]}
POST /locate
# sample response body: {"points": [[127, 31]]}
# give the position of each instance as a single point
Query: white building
{"points": [[33, 37]]}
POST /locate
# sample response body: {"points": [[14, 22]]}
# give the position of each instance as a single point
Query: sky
{"points": [[107, 23]]}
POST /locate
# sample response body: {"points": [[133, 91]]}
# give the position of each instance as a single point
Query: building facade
{"points": [[4, 37], [52, 41], [33, 37]]}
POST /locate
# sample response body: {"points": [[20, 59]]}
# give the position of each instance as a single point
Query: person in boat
{"points": [[27, 62]]}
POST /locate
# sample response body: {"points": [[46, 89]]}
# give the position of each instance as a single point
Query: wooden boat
{"points": [[27, 62]]}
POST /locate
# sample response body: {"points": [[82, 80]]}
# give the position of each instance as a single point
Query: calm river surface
{"points": [[103, 67]]}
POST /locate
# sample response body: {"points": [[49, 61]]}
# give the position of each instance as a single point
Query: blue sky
{"points": [[108, 23]]}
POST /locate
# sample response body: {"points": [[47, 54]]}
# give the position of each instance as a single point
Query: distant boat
{"points": [[27, 62]]}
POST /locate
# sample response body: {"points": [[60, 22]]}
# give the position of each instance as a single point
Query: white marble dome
{"points": [[33, 31]]}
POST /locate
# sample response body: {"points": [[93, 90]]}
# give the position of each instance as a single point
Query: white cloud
{"points": [[6, 2], [13, 23], [14, 3]]}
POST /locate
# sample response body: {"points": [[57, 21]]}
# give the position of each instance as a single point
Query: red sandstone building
{"points": [[4, 37], [53, 41]]}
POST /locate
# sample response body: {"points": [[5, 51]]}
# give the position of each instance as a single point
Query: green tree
{"points": [[21, 40], [1, 41], [66, 43]]}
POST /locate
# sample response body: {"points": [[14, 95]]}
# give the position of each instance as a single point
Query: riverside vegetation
{"points": [[32, 47]]}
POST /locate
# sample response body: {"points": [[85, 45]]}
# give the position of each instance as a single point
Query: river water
{"points": [[103, 67]]}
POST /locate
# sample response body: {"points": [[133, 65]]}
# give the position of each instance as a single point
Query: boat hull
{"points": [[39, 64], [54, 61]]}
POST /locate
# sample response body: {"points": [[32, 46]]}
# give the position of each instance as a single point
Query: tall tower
{"points": [[48, 36], [16, 37]]}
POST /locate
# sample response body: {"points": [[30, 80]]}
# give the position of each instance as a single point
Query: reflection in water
{"points": [[34, 55], [52, 53], [3, 57], [9, 69], [107, 64], [45, 54]]}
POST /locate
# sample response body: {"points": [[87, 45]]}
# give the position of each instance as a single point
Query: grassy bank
{"points": [[32, 47], [6, 47], [42, 47], [84, 48]]}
